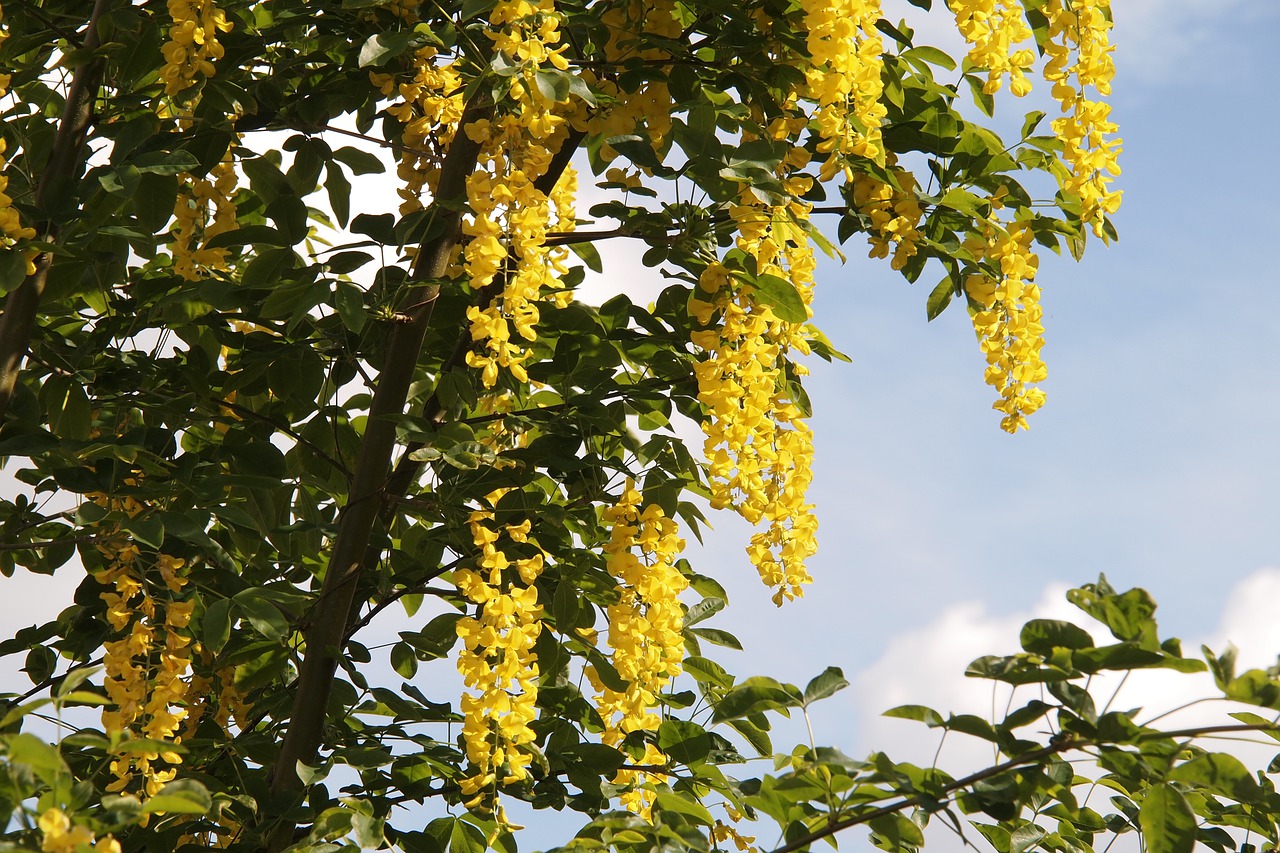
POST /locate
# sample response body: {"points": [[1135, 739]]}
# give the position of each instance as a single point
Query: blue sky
{"points": [[1154, 459]]}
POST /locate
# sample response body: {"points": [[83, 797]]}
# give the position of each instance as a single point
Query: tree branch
{"points": [[18, 322], [329, 621], [1029, 759], [49, 543]]}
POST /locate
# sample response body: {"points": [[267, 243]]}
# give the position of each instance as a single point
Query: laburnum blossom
{"points": [[645, 627], [204, 208], [146, 679], [893, 215], [999, 36], [844, 79], [759, 450], [11, 228], [193, 43], [60, 835], [1082, 28], [510, 215], [497, 661], [1008, 321]]}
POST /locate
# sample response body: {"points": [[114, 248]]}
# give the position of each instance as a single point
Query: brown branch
{"points": [[1029, 759], [48, 543], [398, 594], [329, 619], [18, 322]]}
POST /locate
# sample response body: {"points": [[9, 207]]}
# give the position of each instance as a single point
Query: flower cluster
{"points": [[497, 660], [429, 108], [1009, 320], [507, 229], [894, 215], [844, 79], [204, 209], [193, 43], [758, 447], [994, 29], [644, 626], [1083, 27], [11, 228], [144, 679], [61, 836], [630, 25]]}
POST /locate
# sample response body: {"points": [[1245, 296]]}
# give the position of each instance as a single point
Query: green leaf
{"points": [[262, 615], [403, 660], [1220, 774], [703, 610], [755, 695], [685, 742], [940, 298], [933, 56], [359, 162], [782, 296], [380, 48], [349, 301], [717, 637], [182, 796], [756, 736], [707, 671], [216, 628], [42, 757], [830, 682], [1042, 636], [925, 715], [1167, 821]]}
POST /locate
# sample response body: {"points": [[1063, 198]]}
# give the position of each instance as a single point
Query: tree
{"points": [[265, 415]]}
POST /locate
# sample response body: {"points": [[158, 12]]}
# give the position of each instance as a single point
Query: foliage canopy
{"points": [[259, 406]]}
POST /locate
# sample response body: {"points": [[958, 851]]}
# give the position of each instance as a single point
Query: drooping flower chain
{"points": [[11, 228], [1083, 27], [510, 216], [1009, 325], [193, 44], [894, 215], [995, 29], [758, 447], [204, 207], [145, 682], [429, 107], [645, 628], [497, 661], [844, 79]]}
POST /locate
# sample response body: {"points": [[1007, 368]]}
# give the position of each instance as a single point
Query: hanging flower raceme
{"points": [[193, 43], [60, 835], [146, 668], [204, 209], [1082, 28], [11, 228], [995, 29], [758, 447], [844, 79], [1009, 320], [509, 215], [429, 106], [894, 215], [645, 628], [497, 661]]}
